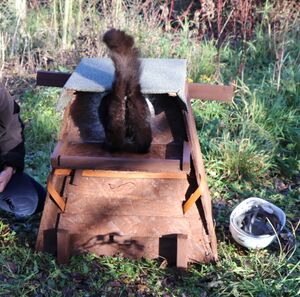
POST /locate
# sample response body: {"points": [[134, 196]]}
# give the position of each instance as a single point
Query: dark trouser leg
{"points": [[22, 196]]}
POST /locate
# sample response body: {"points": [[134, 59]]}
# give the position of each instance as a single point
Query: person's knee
{"points": [[25, 206], [22, 195]]}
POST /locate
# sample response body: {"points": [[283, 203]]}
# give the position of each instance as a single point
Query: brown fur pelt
{"points": [[124, 111]]}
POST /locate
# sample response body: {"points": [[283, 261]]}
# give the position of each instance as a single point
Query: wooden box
{"points": [[137, 205]]}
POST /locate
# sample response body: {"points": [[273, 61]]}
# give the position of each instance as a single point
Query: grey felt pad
{"points": [[158, 76]]}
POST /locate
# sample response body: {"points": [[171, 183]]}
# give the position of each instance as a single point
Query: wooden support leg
{"points": [[63, 246], [77, 177], [48, 241], [181, 257]]}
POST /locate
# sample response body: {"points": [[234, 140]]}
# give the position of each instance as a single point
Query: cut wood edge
{"points": [[52, 78], [133, 174], [210, 92], [55, 196]]}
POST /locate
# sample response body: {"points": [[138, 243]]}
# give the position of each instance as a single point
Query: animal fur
{"points": [[124, 111]]}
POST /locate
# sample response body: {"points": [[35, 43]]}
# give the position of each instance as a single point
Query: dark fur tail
{"points": [[118, 41], [126, 103]]}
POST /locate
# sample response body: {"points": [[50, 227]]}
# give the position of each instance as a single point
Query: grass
{"points": [[42, 123], [251, 148]]}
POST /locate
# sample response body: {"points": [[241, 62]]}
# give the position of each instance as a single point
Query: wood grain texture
{"points": [[182, 253], [119, 188], [200, 175], [63, 246], [113, 244], [55, 195], [122, 164], [62, 171], [210, 92], [46, 239], [96, 224], [134, 174], [128, 205]]}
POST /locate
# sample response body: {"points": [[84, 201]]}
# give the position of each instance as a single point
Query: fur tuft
{"points": [[118, 41]]}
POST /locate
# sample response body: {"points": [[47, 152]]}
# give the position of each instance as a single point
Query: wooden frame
{"points": [[194, 90], [56, 233], [59, 159]]}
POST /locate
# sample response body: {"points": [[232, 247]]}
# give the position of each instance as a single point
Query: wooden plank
{"points": [[52, 78], [67, 124], [55, 195], [95, 149], [118, 188], [141, 247], [76, 180], [200, 174], [63, 246], [186, 157], [210, 92], [56, 153], [200, 243], [110, 244], [195, 90], [95, 224], [127, 205], [62, 171], [123, 164], [134, 174], [182, 251], [46, 239]]}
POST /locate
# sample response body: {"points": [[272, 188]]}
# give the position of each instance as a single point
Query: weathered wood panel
{"points": [[176, 248], [130, 188], [122, 164], [83, 149], [96, 224], [131, 205], [210, 92], [200, 175], [134, 174], [46, 239], [113, 244], [63, 246], [52, 78]]}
